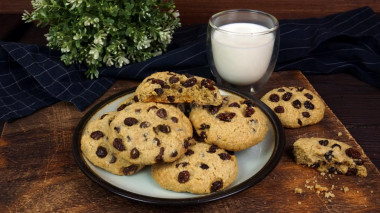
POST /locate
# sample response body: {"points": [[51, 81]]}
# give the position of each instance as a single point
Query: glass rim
{"points": [[270, 30]]}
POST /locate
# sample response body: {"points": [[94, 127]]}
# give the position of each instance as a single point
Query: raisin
{"points": [[188, 75], [297, 104], [214, 109], [234, 104], [332, 169], [171, 98], [130, 169], [164, 128], [135, 153], [101, 152], [173, 79], [353, 153], [315, 165], [328, 155], [216, 186], [183, 164], [281, 90], [274, 98], [183, 176], [204, 126], [118, 144], [336, 145], [96, 135], [204, 166], [189, 152], [136, 99], [208, 83], [309, 96], [137, 110], [249, 103], [159, 157], [212, 149], [158, 81], [308, 105], [226, 116], [279, 109], [180, 90], [225, 156], [186, 143], [174, 154], [157, 141], [130, 121], [113, 159], [104, 115], [159, 91], [128, 138], [174, 119], [351, 171], [150, 108], [189, 82], [300, 89], [306, 114], [324, 142], [144, 124], [230, 152], [249, 111], [287, 96], [162, 113], [359, 162], [121, 107], [203, 135], [299, 122]]}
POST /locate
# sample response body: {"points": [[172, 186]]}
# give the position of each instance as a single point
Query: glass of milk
{"points": [[242, 47]]}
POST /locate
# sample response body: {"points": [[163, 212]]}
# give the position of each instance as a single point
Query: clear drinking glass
{"points": [[242, 47]]}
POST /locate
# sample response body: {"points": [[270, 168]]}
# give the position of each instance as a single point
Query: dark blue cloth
{"points": [[33, 77]]}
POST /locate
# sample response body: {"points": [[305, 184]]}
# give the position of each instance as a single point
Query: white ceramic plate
{"points": [[254, 163]]}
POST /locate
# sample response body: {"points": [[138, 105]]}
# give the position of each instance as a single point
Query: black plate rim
{"points": [[267, 168]]}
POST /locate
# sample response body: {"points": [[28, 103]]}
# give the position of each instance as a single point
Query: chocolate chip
{"points": [[189, 152], [204, 166], [279, 109], [353, 153], [226, 116], [306, 114], [173, 79], [104, 115], [189, 82], [183, 176], [96, 135], [157, 141], [324, 142], [309, 96], [308, 105], [212, 149], [204, 126], [234, 104], [216, 186], [101, 152], [113, 159], [224, 156], [163, 128], [130, 169], [174, 119], [249, 111], [171, 98], [208, 83], [336, 145], [287, 96], [159, 157], [174, 154], [144, 124], [150, 108], [274, 98], [159, 91], [162, 113], [118, 144], [299, 122], [130, 121], [135, 153], [121, 107], [351, 171], [328, 155], [297, 104], [183, 164]]}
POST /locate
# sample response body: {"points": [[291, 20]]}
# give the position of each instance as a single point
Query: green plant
{"points": [[110, 32]]}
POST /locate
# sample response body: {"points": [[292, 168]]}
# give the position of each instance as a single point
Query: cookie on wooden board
{"points": [[295, 106]]}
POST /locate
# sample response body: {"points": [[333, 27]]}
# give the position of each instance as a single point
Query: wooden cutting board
{"points": [[38, 171]]}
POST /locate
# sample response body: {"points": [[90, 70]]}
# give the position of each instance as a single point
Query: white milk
{"points": [[242, 59]]}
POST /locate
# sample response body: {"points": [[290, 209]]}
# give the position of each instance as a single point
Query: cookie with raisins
{"points": [[202, 169], [295, 106], [169, 87], [149, 133], [128, 101], [330, 156], [234, 125], [95, 146]]}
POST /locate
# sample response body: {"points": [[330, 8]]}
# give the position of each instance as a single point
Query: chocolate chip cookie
{"points": [[169, 87], [234, 125], [96, 147], [295, 106], [202, 169], [149, 133], [330, 156]]}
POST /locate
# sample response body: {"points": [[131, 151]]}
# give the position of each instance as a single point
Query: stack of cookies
{"points": [[180, 126]]}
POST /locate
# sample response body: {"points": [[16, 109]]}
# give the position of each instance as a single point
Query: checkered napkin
{"points": [[33, 77]]}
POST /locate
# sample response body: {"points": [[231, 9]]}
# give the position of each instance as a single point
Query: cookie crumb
{"points": [[372, 191], [322, 173], [298, 190], [299, 202], [329, 194], [345, 189], [357, 191], [320, 188], [340, 134]]}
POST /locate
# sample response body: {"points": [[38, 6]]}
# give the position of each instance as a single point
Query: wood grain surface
{"points": [[38, 172]]}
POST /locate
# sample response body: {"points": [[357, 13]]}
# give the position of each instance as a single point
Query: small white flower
{"points": [[95, 53], [175, 14], [121, 60], [165, 37], [65, 49]]}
